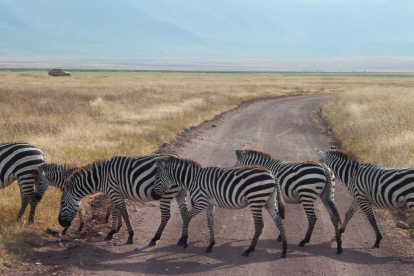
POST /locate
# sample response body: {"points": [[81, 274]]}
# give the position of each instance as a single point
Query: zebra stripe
{"points": [[301, 183], [118, 178], [369, 184], [231, 188], [55, 175], [19, 161]]}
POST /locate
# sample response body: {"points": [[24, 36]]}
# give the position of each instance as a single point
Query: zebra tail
{"points": [[327, 195], [280, 201]]}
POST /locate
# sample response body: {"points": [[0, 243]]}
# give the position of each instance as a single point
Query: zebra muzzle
{"points": [[38, 196], [64, 222]]}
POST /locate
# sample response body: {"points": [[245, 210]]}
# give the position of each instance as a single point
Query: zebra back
{"points": [[228, 186]]}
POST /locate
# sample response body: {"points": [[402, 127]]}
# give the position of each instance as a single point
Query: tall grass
{"points": [[90, 115], [375, 122]]}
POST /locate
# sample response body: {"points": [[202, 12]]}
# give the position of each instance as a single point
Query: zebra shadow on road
{"points": [[173, 259]]}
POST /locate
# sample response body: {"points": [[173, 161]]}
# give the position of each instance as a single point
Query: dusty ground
{"points": [[285, 127]]}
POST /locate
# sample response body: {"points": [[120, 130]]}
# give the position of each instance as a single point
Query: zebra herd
{"points": [[257, 181]]}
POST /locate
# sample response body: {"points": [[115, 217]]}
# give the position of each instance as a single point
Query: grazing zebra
{"points": [[301, 183], [19, 161], [230, 188], [55, 175], [118, 178], [369, 184]]}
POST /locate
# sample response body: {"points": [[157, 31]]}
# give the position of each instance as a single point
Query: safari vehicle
{"points": [[58, 72]]}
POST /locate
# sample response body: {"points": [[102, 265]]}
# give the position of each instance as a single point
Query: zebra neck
{"points": [[274, 165], [91, 179], [344, 169]]}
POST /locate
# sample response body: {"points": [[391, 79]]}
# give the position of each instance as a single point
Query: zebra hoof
{"points": [[180, 242], [302, 244], [245, 254], [108, 238], [152, 243], [129, 242], [208, 250], [185, 245], [279, 238], [339, 251], [283, 255], [376, 245]]}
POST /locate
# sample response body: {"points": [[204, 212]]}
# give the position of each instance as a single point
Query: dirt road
{"points": [[287, 129]]}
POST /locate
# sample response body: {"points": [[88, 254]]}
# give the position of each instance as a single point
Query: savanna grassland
{"points": [[93, 115]]}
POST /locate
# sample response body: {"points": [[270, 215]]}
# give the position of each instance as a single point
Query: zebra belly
{"points": [[7, 182], [226, 205]]}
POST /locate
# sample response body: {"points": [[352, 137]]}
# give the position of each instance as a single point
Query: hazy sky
{"points": [[205, 29]]}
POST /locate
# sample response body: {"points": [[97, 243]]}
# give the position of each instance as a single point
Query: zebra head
{"points": [[164, 177], [323, 155], [41, 183], [251, 157], [69, 206]]}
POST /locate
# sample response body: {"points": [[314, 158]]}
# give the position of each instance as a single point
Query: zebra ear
{"points": [[333, 148], [160, 162], [239, 153], [321, 154]]}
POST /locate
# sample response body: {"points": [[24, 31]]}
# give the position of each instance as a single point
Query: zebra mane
{"points": [[177, 159], [262, 154], [88, 166], [345, 155], [52, 167]]}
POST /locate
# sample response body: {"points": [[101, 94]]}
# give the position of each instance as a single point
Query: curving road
{"points": [[287, 128]]}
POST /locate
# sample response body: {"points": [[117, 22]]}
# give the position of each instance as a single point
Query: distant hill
{"points": [[205, 29]]}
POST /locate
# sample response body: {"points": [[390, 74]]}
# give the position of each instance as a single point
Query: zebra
{"points": [[118, 178], [55, 175], [230, 188], [301, 183], [19, 161], [369, 184]]}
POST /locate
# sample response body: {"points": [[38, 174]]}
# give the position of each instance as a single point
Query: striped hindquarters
{"points": [[19, 161]]}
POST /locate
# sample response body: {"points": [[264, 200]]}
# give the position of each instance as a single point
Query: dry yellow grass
{"points": [[92, 115], [375, 122]]}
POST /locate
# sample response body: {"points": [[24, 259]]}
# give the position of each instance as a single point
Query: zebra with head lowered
{"points": [[19, 161], [118, 178], [301, 183], [231, 188], [369, 184], [55, 175]]}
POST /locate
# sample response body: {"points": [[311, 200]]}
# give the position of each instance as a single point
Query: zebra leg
{"points": [[310, 214], [366, 207], [197, 208], [210, 222], [270, 207], [351, 211], [25, 202], [165, 217], [119, 206], [180, 198], [258, 228], [336, 221], [115, 216], [33, 203]]}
